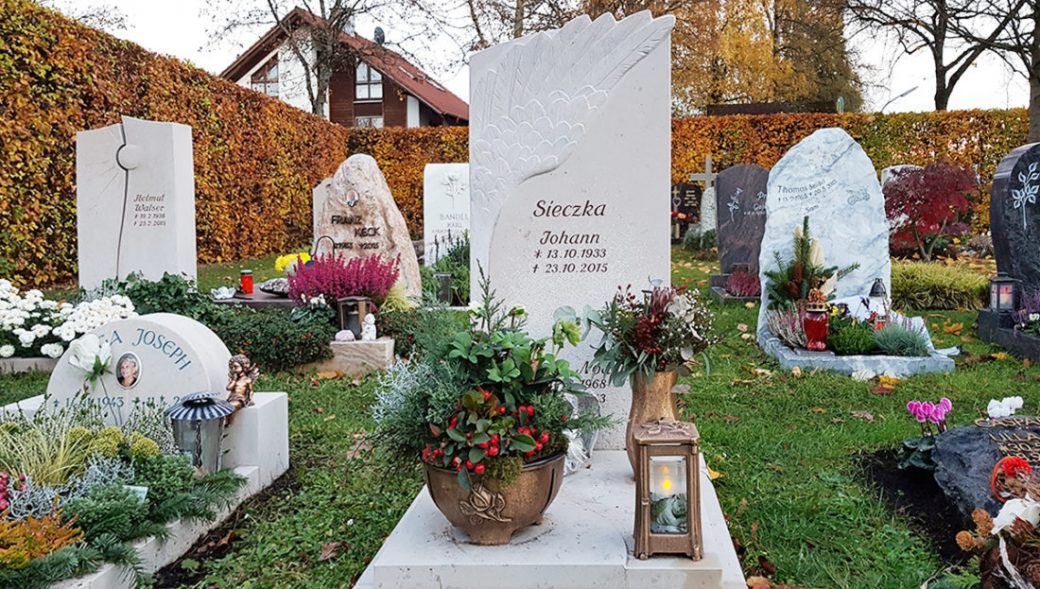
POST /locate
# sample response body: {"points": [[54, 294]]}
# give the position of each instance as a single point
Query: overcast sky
{"points": [[176, 27]]}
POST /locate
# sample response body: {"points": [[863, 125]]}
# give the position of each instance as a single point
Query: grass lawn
{"points": [[786, 446]]}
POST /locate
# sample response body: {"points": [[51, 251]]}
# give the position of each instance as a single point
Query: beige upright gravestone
{"points": [[359, 218], [135, 201]]}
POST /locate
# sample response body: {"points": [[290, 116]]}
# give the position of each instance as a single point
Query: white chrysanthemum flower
{"points": [[6, 351], [26, 338], [52, 350], [41, 329]]}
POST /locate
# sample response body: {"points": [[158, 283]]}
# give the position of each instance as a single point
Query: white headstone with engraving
{"points": [[159, 357], [445, 208], [569, 160], [135, 201], [828, 177]]}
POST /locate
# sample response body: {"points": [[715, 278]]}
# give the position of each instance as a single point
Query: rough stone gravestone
{"points": [[319, 195], [159, 357], [569, 189], [1015, 215], [359, 218], [135, 201], [828, 177], [741, 204], [965, 457], [445, 207]]}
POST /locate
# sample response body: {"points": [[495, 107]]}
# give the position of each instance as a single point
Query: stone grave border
{"points": [[21, 365], [718, 291], [894, 365], [995, 330], [257, 448]]}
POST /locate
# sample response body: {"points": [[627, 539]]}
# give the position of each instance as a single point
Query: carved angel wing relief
{"points": [[533, 98]]}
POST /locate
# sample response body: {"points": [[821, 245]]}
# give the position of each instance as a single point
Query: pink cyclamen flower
{"points": [[945, 404]]}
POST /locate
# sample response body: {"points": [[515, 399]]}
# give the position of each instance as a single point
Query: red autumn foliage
{"points": [[333, 277], [922, 203]]}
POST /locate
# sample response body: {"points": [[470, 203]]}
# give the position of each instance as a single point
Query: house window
{"points": [[369, 84], [376, 122], [265, 79]]}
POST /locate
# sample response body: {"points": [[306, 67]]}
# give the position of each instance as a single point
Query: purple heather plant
{"points": [[333, 277], [743, 284]]}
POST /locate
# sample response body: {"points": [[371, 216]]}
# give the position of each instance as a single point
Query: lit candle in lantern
{"points": [[667, 475], [1006, 296]]}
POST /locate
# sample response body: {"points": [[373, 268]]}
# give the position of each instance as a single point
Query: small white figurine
{"points": [[368, 332]]}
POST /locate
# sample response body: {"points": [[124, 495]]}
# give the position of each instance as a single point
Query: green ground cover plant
{"points": [[919, 285], [788, 447]]}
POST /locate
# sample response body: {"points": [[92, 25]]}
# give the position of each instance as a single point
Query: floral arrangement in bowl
{"points": [[32, 326], [489, 419]]}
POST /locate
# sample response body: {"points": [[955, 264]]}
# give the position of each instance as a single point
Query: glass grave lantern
{"points": [[668, 517], [878, 299], [351, 313], [1004, 294], [443, 282], [198, 428]]}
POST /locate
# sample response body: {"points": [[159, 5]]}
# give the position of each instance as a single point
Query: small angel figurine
{"points": [[241, 375], [368, 332]]}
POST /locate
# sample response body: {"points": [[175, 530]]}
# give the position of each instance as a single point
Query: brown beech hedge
{"points": [[256, 159]]}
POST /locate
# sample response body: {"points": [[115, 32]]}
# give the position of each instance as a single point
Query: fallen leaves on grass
{"points": [[329, 375], [796, 372], [742, 327], [331, 549], [749, 305], [864, 415], [953, 328], [999, 355], [819, 410], [361, 445], [713, 474]]}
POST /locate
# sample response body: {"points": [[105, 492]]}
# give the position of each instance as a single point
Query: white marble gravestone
{"points": [[828, 177], [570, 167], [174, 356], [319, 195], [359, 218], [135, 201], [445, 208]]}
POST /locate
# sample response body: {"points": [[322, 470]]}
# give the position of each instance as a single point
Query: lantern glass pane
{"points": [[1006, 297], [668, 495], [994, 298], [199, 440]]}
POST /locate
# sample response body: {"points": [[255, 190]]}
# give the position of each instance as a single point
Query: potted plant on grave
{"points": [[488, 419], [647, 340]]}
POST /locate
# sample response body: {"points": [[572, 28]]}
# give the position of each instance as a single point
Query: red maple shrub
{"points": [[333, 277], [923, 204]]}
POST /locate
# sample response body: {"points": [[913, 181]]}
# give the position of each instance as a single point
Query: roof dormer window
{"points": [[368, 84]]}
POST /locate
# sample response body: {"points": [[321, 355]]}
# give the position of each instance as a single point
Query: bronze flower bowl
{"points": [[490, 514]]}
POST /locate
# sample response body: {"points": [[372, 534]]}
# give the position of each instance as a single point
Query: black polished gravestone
{"points": [[965, 457], [1014, 215], [740, 194], [1014, 220], [686, 208]]}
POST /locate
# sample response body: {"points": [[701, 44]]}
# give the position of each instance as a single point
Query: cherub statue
{"points": [[241, 375], [368, 331]]}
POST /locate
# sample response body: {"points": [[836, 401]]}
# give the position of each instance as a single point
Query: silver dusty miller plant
{"points": [[40, 500]]}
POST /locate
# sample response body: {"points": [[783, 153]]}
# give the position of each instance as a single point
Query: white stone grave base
{"points": [[259, 444], [19, 365], [356, 358], [585, 542], [899, 366]]}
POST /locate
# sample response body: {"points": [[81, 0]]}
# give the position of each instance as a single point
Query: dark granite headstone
{"points": [[965, 457], [1014, 215], [686, 199], [740, 193]]}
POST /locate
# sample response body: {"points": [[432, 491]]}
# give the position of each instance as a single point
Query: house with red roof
{"points": [[380, 88]]}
